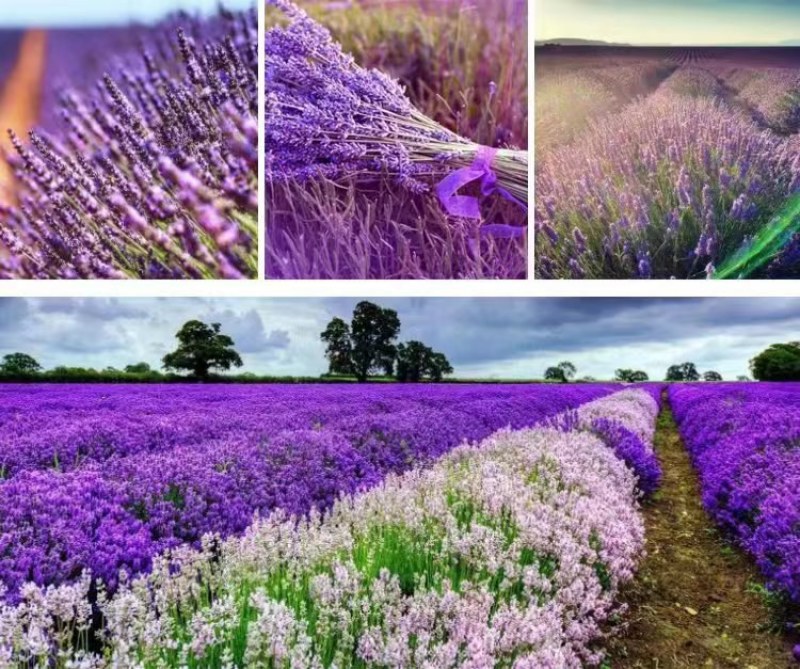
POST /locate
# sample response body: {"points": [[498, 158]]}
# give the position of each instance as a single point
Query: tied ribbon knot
{"points": [[467, 206]]}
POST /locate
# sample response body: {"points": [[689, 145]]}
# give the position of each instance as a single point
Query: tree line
{"points": [[367, 346], [564, 372], [364, 348], [202, 351], [779, 362]]}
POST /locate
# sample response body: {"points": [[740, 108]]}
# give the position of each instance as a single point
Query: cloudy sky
{"points": [[502, 338], [99, 12], [692, 22]]}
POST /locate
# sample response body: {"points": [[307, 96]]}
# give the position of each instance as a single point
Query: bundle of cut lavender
{"points": [[328, 117]]}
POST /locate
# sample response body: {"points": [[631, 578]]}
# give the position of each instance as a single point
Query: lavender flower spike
{"points": [[327, 117]]}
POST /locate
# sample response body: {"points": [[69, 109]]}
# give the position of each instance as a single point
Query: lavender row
{"points": [[744, 442], [66, 427], [772, 94], [675, 185], [509, 551], [569, 97], [136, 471], [625, 421], [670, 187]]}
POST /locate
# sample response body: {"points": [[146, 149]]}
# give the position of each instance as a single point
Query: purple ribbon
{"points": [[467, 206]]}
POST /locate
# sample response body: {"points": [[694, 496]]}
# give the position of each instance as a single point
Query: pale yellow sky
{"points": [[691, 22]]}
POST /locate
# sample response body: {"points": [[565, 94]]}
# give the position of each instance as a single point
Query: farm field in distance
{"points": [[667, 162], [275, 525]]}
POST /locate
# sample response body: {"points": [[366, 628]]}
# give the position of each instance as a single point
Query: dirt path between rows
{"points": [[690, 606]]}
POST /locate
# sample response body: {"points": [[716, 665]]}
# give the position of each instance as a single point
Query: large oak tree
{"points": [[202, 347]]}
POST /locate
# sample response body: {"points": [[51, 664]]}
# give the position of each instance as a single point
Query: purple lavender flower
{"points": [[95, 198], [327, 116], [630, 448], [141, 470], [495, 541], [743, 209], [690, 174], [346, 145], [645, 267]]}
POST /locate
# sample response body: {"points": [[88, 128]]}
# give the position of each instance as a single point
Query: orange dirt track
{"points": [[20, 101]]}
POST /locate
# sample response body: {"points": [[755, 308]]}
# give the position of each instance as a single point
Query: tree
{"points": [[138, 368], [780, 362], [439, 366], [413, 359], [712, 376], [631, 376], [19, 364], [201, 348], [367, 346], [562, 372], [743, 378], [340, 349], [416, 361], [686, 371], [569, 370], [373, 332]]}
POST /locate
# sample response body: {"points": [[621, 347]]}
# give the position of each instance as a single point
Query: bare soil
{"points": [[691, 606]]}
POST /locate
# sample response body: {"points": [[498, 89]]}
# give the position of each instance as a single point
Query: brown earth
{"points": [[20, 101], [691, 605]]}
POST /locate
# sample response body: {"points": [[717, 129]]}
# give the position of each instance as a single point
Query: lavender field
{"points": [[455, 525], [132, 151], [396, 137], [170, 526], [667, 162]]}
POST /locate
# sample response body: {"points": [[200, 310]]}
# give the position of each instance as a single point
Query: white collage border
{"points": [[400, 288]]}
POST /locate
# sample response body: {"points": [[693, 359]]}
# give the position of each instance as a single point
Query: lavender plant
{"points": [[744, 442], [154, 173], [568, 96], [773, 94], [332, 121], [137, 471]]}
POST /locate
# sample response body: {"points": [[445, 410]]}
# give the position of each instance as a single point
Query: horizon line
{"points": [[791, 43]]}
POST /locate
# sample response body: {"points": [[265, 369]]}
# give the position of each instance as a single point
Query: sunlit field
{"points": [[667, 163]]}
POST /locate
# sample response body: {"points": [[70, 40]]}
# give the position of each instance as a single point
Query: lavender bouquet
{"points": [[154, 173], [328, 118]]}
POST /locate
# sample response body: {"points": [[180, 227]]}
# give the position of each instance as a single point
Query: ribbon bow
{"points": [[467, 206]]}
